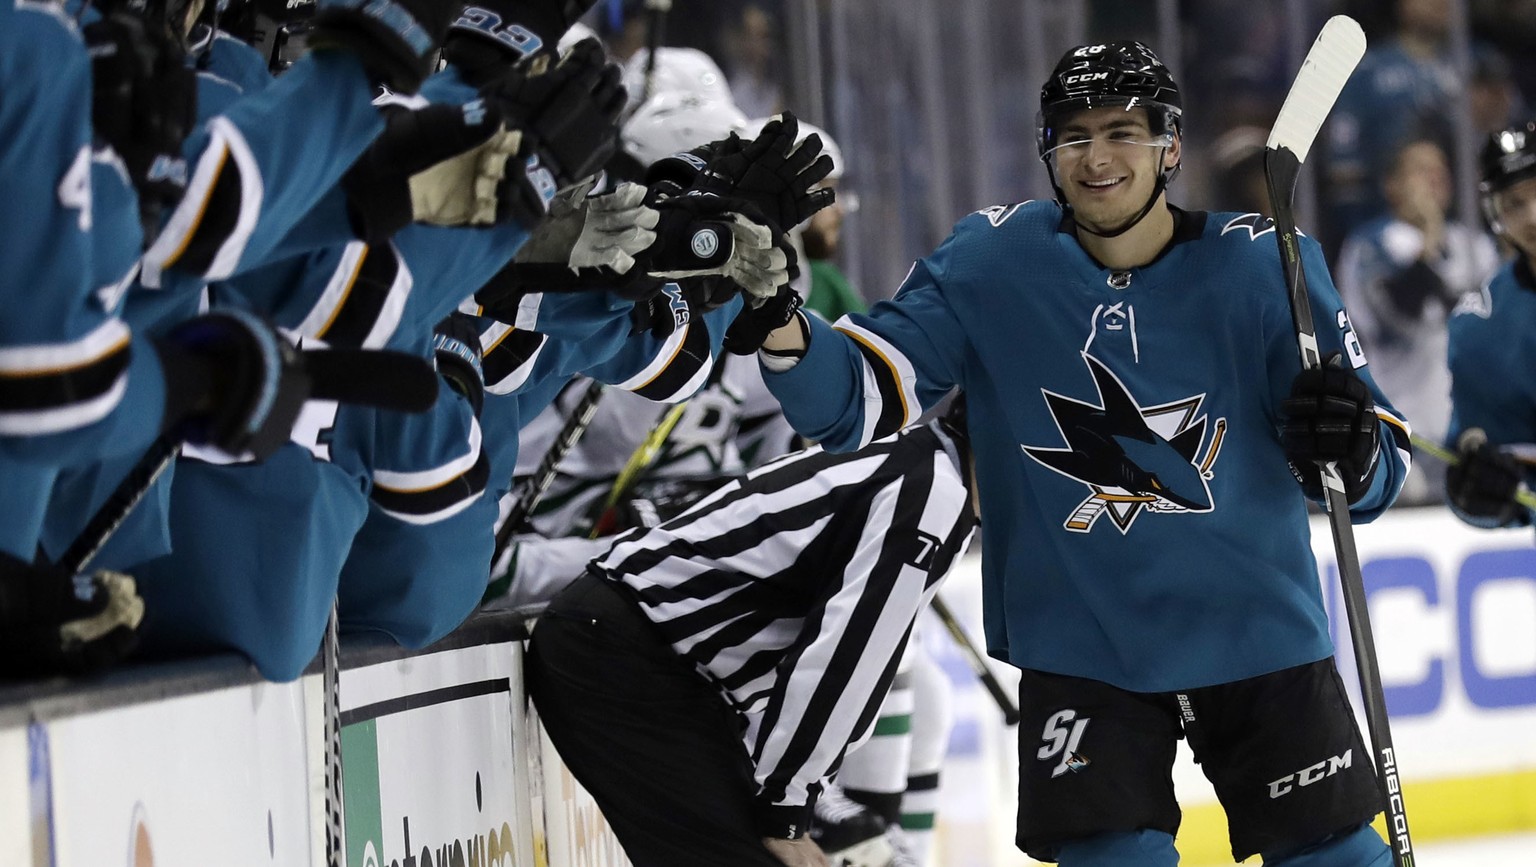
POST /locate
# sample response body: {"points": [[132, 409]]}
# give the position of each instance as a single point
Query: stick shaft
{"points": [[538, 485], [1523, 496], [1281, 168], [119, 504], [977, 660]]}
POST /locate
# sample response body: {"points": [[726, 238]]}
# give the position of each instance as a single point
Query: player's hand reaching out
{"points": [[774, 172], [800, 852]]}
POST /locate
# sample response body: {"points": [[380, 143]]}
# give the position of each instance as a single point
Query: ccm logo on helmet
{"points": [[1084, 76]]}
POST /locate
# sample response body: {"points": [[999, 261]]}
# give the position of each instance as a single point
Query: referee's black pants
{"points": [[649, 737]]}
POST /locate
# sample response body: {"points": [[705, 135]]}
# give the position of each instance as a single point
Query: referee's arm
{"points": [[836, 674]]}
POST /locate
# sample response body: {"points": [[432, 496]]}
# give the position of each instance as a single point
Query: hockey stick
{"points": [[1523, 495], [330, 681], [1326, 68], [536, 487], [639, 463], [977, 661], [655, 28], [388, 380]]}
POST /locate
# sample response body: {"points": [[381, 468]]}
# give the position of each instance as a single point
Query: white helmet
{"points": [[671, 122], [578, 32], [828, 145], [678, 70]]}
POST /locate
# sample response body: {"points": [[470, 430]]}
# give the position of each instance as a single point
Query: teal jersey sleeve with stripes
{"points": [[260, 162], [871, 374], [75, 383]]}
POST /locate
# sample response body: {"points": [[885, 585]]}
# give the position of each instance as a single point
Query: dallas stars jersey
{"points": [[1144, 528], [1491, 331]]}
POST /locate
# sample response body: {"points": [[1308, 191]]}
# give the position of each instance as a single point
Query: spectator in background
{"points": [[1404, 87], [1511, 26], [751, 48], [623, 27], [1399, 276], [1494, 100], [831, 295]]}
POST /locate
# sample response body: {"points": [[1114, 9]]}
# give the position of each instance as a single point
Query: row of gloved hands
{"points": [[712, 220]]}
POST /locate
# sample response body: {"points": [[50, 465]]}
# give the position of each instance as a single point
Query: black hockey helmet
{"points": [[490, 36], [1507, 158], [277, 29], [1126, 74], [1115, 73]]}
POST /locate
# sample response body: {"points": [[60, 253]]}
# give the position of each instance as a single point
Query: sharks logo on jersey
{"points": [[1257, 225], [1132, 458]]}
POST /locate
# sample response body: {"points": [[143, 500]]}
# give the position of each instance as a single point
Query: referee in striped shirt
{"points": [[705, 674]]}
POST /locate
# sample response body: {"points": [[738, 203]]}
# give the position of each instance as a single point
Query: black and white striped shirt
{"points": [[795, 588]]}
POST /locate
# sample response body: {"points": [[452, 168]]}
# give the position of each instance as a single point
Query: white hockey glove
{"points": [[584, 231], [464, 190]]}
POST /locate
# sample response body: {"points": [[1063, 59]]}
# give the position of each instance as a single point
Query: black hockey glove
{"points": [[232, 382], [53, 623], [703, 235], [774, 172], [1483, 484], [671, 175], [378, 185], [569, 118], [1330, 417], [488, 36], [456, 346], [143, 104], [396, 40], [753, 324], [704, 294], [660, 314]]}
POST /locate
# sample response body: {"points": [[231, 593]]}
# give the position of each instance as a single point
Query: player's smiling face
{"points": [[1107, 163]]}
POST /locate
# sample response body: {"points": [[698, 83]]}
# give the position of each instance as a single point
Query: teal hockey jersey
{"points": [[1492, 354], [1141, 524]]}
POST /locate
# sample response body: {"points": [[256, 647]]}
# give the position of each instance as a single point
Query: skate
{"points": [[848, 832]]}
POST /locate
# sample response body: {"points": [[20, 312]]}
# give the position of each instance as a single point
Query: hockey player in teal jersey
{"points": [[1493, 418], [424, 473], [76, 384], [1141, 423], [415, 579], [246, 217]]}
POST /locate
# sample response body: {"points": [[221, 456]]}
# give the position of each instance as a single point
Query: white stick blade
{"points": [[1333, 57]]}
